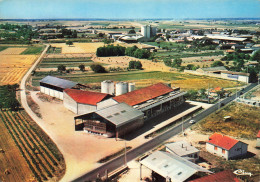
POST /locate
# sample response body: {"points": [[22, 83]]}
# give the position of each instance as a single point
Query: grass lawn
{"points": [[33, 50], [245, 121]]}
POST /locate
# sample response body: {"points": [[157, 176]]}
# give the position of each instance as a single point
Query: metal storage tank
{"points": [[121, 88], [107, 87], [131, 87]]}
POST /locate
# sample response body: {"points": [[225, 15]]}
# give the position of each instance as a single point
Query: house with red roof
{"points": [[223, 176], [258, 140], [225, 146], [82, 102]]}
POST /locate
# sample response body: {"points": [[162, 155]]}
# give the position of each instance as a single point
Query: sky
{"points": [[134, 9]]}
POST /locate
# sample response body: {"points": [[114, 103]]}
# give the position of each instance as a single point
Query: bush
{"points": [[135, 65], [97, 68]]}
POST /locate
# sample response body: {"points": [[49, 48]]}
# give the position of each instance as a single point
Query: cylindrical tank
{"points": [[121, 88], [131, 87], [107, 87]]}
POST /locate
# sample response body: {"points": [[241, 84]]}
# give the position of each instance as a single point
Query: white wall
{"points": [[85, 108], [50, 92], [69, 103], [106, 103], [211, 148]]}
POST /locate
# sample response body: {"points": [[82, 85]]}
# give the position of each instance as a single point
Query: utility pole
{"points": [[125, 154], [208, 94], [182, 126]]}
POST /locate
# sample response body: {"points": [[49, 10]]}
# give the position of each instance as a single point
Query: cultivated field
{"points": [[33, 157], [12, 51], [78, 47], [13, 67]]}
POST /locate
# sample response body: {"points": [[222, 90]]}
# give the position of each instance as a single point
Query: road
{"points": [[132, 154]]}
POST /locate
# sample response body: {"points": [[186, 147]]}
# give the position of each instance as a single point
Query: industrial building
{"points": [[148, 31], [82, 102], [238, 76], [54, 86], [152, 100], [116, 120], [225, 146], [168, 167], [128, 111]]}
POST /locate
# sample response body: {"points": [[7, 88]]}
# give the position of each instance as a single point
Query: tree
{"points": [[256, 56], [138, 65], [13, 104], [61, 68], [176, 62], [97, 68], [217, 63], [132, 31], [82, 67], [69, 43]]}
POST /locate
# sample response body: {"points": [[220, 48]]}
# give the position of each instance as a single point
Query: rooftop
{"points": [[144, 94], [258, 135], [181, 148], [222, 176], [86, 97], [120, 114], [171, 165], [235, 73], [218, 68], [58, 82], [222, 141]]}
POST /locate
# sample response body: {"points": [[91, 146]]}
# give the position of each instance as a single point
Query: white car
{"points": [[192, 121]]}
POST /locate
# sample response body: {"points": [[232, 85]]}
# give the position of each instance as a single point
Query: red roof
{"points": [[222, 141], [223, 176], [144, 94], [258, 135], [85, 97]]}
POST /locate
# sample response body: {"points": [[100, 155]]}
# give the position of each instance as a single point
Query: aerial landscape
{"points": [[130, 91]]}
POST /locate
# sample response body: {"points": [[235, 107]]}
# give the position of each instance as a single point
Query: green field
{"points": [[175, 54], [86, 78], [54, 50], [33, 50], [170, 45], [69, 62], [3, 48]]}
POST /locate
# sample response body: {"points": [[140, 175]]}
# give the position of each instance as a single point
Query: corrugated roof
{"points": [[120, 114], [181, 148], [218, 68], [144, 94], [235, 73], [222, 141], [223, 176], [171, 165], [85, 97], [58, 82]]}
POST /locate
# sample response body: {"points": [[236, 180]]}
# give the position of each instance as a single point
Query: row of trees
{"points": [[111, 50], [174, 63]]}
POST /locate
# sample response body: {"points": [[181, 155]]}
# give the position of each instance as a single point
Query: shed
{"points": [[54, 86]]}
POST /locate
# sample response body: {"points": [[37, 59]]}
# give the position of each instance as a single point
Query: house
{"points": [[258, 140], [225, 146], [223, 176], [183, 149], [215, 91], [170, 167], [82, 102]]}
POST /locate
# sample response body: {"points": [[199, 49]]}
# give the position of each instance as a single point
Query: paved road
{"points": [[132, 154]]}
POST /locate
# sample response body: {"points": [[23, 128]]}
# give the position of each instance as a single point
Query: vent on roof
{"points": [[166, 165], [109, 116], [116, 114], [123, 111], [153, 159], [179, 173]]}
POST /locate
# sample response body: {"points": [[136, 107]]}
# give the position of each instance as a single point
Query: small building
{"points": [[223, 176], [258, 140], [170, 167], [183, 149], [215, 70], [238, 76], [82, 102], [54, 86], [225, 146], [116, 120], [214, 92]]}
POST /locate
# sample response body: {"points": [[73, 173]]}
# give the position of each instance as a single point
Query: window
{"points": [[215, 148], [223, 151]]}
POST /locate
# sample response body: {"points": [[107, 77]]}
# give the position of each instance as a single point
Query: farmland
{"points": [[244, 121], [43, 161], [145, 78], [78, 47], [35, 50], [69, 62]]}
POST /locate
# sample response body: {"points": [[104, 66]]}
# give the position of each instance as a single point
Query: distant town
{"points": [[130, 100]]}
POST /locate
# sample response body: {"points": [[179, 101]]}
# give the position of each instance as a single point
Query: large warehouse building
{"points": [[116, 120], [82, 102], [54, 86], [130, 110]]}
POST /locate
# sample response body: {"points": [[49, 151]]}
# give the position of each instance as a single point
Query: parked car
{"points": [[192, 121]]}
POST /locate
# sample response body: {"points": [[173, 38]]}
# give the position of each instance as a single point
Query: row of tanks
{"points": [[108, 87]]}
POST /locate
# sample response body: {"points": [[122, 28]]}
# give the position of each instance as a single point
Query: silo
{"points": [[107, 87], [121, 88], [131, 87]]}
